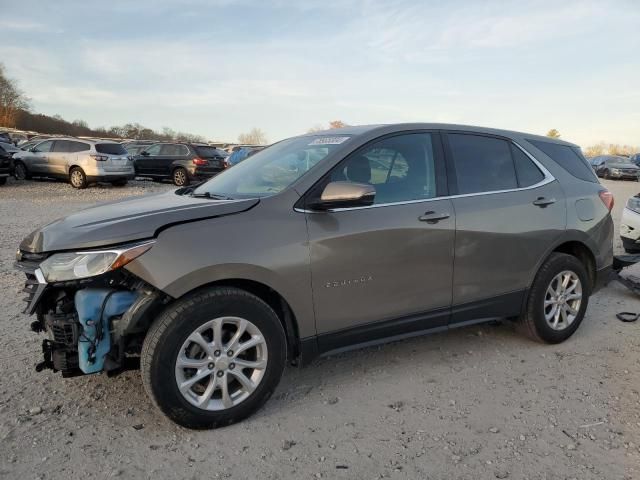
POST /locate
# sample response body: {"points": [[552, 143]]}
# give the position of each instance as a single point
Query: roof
{"points": [[389, 128]]}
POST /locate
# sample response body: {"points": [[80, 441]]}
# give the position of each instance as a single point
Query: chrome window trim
{"points": [[548, 178]]}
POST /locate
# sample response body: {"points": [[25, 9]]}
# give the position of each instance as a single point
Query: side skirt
{"points": [[439, 320]]}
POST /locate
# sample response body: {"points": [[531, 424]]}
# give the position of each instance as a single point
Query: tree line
{"points": [[601, 148]]}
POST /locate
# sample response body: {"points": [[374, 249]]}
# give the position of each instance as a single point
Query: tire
{"points": [[180, 177], [606, 175], [77, 178], [20, 171], [168, 342], [533, 323], [119, 183], [3, 180]]}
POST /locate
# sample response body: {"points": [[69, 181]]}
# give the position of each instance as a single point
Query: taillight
{"points": [[100, 158], [607, 198], [200, 162]]}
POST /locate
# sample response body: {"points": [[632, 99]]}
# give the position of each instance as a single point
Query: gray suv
{"points": [[317, 244], [79, 161]]}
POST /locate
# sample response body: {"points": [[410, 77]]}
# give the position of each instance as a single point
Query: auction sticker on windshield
{"points": [[329, 140]]}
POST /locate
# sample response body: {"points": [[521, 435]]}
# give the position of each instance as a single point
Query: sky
{"points": [[218, 68]]}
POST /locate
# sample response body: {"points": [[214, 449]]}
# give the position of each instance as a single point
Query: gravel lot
{"points": [[474, 403]]}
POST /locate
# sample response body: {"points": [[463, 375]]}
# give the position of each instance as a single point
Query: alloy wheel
{"points": [[221, 363], [77, 178], [562, 300], [180, 177]]}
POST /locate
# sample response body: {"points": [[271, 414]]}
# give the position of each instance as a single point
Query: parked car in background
{"points": [[614, 166], [79, 161], [241, 154], [635, 158], [180, 162], [320, 243], [7, 151], [630, 225], [5, 137]]}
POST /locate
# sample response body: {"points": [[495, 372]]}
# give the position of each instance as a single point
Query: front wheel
{"points": [[213, 358], [606, 175], [557, 300], [20, 171]]}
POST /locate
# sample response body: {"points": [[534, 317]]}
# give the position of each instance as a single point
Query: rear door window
{"points": [[174, 150], [482, 164], [75, 147], [110, 149], [61, 146], [568, 157]]}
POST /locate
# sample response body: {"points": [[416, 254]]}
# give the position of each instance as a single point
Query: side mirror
{"points": [[345, 195], [32, 149], [144, 153]]}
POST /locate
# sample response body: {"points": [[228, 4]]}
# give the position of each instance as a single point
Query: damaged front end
{"points": [[94, 312]]}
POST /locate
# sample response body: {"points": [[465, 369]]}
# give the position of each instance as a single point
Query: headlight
{"points": [[615, 171], [634, 204], [62, 267]]}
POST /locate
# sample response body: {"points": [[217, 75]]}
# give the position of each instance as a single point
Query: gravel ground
{"points": [[474, 403]]}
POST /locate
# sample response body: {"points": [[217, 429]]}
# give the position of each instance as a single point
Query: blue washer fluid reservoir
{"points": [[91, 349]]}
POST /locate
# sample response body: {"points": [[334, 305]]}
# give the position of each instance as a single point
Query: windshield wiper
{"points": [[213, 196]]}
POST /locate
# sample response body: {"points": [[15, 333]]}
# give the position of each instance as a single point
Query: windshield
{"points": [[271, 170], [622, 160]]}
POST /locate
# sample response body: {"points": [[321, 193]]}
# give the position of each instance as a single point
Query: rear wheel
{"points": [[77, 178], [180, 177], [20, 171], [557, 300], [213, 357]]}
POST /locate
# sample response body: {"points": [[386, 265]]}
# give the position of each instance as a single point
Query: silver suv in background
{"points": [[316, 244], [79, 161]]}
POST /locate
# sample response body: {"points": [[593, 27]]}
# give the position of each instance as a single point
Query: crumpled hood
{"points": [[127, 220]]}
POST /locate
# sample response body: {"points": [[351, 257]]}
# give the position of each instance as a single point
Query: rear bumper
{"points": [[110, 177]]}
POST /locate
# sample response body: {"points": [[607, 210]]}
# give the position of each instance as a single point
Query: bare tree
{"points": [[12, 100], [553, 133], [337, 124], [255, 136], [316, 128]]}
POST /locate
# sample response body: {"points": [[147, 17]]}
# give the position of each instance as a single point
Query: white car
{"points": [[630, 225]]}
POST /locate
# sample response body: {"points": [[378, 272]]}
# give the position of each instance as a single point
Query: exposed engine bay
{"points": [[92, 325]]}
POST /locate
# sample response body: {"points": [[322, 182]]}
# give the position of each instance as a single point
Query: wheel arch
{"points": [[576, 247], [271, 297]]}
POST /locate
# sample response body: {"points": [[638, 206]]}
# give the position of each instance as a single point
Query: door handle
{"points": [[433, 217], [542, 202]]}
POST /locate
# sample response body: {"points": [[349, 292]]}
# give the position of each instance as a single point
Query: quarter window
{"points": [[527, 171], [401, 168], [482, 164], [568, 157]]}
